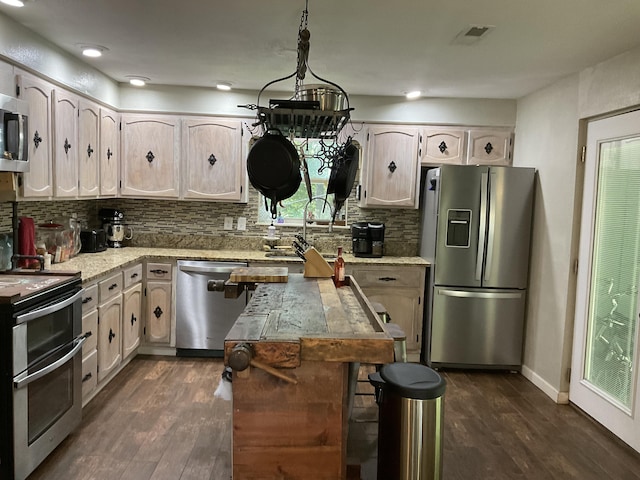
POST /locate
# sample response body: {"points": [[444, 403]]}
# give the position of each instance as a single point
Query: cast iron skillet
{"points": [[343, 174], [273, 167]]}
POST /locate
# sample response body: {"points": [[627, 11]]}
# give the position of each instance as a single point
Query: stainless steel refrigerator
{"points": [[475, 231]]}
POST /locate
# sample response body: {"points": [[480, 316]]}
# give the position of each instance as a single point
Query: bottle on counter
{"points": [[338, 269]]}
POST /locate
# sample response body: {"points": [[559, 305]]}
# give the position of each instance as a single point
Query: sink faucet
{"points": [[304, 216]]}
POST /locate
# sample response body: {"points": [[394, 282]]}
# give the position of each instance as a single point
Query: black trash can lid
{"points": [[413, 380]]}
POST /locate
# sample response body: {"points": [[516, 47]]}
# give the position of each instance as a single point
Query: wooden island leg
{"points": [[286, 431]]}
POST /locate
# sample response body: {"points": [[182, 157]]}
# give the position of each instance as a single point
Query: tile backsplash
{"points": [[192, 224]]}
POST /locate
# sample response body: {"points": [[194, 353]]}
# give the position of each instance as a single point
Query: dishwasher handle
{"points": [[198, 269]]}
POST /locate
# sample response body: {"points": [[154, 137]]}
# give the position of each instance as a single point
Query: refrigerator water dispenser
{"points": [[458, 228]]}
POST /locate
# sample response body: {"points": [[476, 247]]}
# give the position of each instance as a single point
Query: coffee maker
{"points": [[113, 224], [367, 239]]}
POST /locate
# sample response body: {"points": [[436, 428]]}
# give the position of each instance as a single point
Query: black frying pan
{"points": [[345, 176], [273, 167]]}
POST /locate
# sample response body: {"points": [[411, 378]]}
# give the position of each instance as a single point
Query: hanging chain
{"points": [[303, 46]]}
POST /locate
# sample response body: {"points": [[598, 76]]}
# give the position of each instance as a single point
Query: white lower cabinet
{"points": [[158, 312], [109, 331], [131, 310], [400, 290], [89, 349]]}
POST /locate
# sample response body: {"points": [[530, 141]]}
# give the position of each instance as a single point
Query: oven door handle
{"points": [[23, 379], [41, 312]]}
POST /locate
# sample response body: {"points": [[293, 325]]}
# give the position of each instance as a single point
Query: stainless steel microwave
{"points": [[14, 131]]}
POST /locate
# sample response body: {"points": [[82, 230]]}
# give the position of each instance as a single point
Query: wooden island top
{"points": [[293, 424], [311, 319]]}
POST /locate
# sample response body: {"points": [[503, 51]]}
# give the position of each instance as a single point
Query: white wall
{"points": [[547, 126], [547, 137], [458, 111], [22, 46]]}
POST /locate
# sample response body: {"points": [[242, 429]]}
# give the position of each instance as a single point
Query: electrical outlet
{"points": [[242, 223], [228, 223]]}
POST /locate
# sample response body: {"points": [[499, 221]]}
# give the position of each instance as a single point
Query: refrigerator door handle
{"points": [[482, 225], [492, 226], [466, 294]]}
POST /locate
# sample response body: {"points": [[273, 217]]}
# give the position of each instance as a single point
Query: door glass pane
{"points": [[613, 302]]}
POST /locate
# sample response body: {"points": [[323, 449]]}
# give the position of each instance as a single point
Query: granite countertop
{"points": [[93, 265]]}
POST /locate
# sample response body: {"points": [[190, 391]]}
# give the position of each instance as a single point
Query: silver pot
{"points": [[330, 98]]}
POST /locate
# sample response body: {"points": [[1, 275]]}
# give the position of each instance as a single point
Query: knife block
{"points": [[316, 266]]}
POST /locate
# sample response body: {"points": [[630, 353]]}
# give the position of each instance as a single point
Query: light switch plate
{"points": [[242, 223], [228, 223]]}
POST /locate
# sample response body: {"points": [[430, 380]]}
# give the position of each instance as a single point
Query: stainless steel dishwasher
{"points": [[204, 318]]}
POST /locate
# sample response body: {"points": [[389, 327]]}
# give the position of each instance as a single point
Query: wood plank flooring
{"points": [[159, 420]]}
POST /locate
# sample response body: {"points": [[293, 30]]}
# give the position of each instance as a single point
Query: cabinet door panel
{"points": [[38, 181], [65, 150], [214, 167], [131, 310], [88, 151], [488, 147], [109, 353], [109, 155], [158, 312], [404, 308], [392, 167], [443, 146], [150, 156]]}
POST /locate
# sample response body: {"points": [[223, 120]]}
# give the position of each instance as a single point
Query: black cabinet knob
{"points": [[37, 139]]}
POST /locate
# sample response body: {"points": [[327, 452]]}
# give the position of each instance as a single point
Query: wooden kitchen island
{"points": [[308, 332]]}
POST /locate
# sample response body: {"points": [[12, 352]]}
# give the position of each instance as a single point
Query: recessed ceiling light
{"points": [[226, 86], [413, 94], [137, 81], [93, 51], [13, 3]]}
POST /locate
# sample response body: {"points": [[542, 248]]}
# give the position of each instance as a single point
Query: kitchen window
{"points": [[291, 210]]}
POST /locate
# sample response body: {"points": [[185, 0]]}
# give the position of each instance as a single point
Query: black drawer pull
{"points": [[158, 271], [158, 312], [111, 335], [86, 300], [87, 377], [114, 285], [134, 275], [387, 279], [133, 319]]}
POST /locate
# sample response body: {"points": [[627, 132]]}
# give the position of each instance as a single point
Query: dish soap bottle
{"points": [[338, 269]]}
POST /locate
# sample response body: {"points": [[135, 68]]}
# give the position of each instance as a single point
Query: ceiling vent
{"points": [[472, 34]]}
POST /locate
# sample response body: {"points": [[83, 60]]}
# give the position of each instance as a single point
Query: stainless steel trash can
{"points": [[410, 397]]}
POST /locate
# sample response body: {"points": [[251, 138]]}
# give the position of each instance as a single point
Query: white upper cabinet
{"points": [[212, 159], [109, 155], [442, 146], [150, 156], [88, 149], [489, 147], [390, 171], [65, 107], [38, 181]]}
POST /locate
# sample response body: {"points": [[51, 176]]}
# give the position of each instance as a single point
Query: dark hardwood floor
{"points": [[159, 420]]}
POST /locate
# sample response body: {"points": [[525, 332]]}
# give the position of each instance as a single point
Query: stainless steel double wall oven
{"points": [[40, 363]]}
